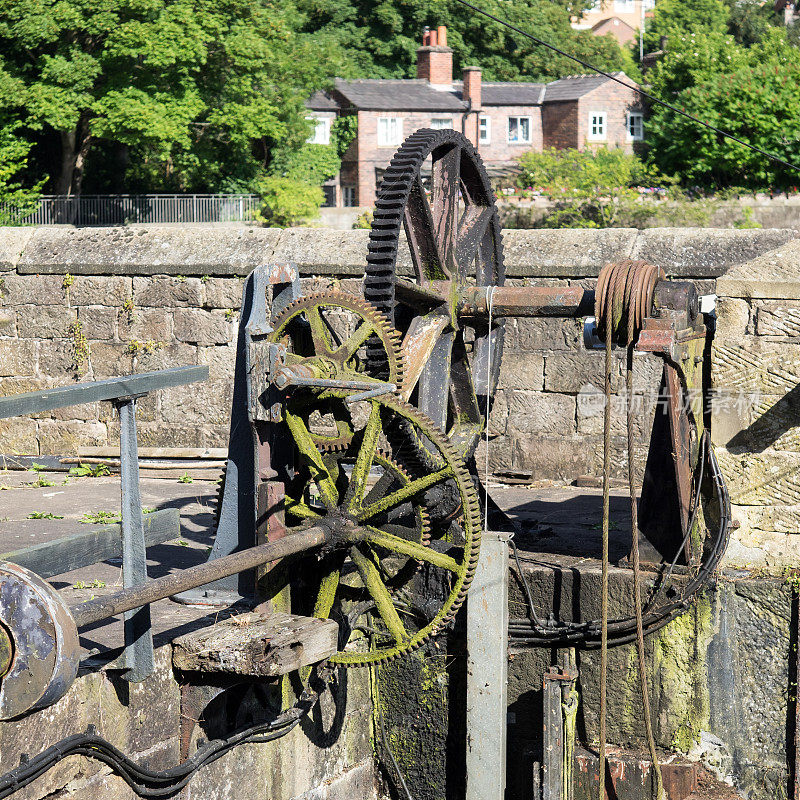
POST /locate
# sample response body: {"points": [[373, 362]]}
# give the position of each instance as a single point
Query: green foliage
{"points": [[44, 515], [90, 470], [343, 131], [752, 92], [193, 93], [16, 200], [749, 21], [591, 188], [381, 38], [287, 202], [672, 18], [312, 163], [186, 478], [100, 518]]}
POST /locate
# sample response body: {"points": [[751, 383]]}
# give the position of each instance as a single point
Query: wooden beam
{"points": [[99, 544], [257, 645]]}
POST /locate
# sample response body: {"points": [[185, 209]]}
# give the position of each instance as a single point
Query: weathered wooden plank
{"points": [[158, 452], [257, 645], [82, 549], [17, 405]]}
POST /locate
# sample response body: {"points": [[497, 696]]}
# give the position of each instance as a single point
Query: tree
{"points": [[675, 17], [16, 200], [382, 37], [752, 92], [196, 89], [591, 188], [749, 21]]}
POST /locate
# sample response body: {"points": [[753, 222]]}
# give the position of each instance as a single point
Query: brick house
{"points": [[621, 18], [503, 120]]}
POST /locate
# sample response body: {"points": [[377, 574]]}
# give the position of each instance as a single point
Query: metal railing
{"points": [[120, 209], [132, 536]]}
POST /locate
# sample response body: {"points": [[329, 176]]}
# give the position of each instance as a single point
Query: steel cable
{"points": [[146, 782]]}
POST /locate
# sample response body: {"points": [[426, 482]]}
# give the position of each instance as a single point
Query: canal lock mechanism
{"points": [[363, 417]]}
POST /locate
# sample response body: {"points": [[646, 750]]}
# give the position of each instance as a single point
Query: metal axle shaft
{"points": [[526, 301], [137, 596]]}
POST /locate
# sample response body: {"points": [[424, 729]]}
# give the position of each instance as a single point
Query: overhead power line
{"points": [[641, 92]]}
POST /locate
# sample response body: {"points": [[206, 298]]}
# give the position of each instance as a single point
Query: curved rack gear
{"points": [[437, 190]]}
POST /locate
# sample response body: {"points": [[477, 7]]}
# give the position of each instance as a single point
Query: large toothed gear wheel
{"points": [[437, 191], [375, 575], [335, 328]]}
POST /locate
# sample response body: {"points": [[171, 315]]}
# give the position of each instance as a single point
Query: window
{"points": [[441, 123], [597, 126], [349, 196], [484, 130], [519, 130], [322, 130], [625, 6], [635, 126], [390, 131]]}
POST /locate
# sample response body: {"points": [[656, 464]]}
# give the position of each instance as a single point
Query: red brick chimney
{"points": [[435, 58], [472, 87]]}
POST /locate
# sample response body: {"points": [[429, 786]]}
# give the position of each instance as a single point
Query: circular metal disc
{"points": [[45, 655]]}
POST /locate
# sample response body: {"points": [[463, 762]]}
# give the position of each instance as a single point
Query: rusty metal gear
{"points": [[359, 570], [437, 190], [304, 328]]}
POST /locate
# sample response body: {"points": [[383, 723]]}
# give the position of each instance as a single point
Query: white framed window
{"points": [[349, 196], [597, 126], [484, 130], [390, 131], [441, 123], [624, 6], [519, 130], [635, 126], [649, 5], [322, 130]]}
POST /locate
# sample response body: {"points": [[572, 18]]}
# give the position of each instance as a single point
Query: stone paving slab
{"points": [[561, 521], [19, 499]]}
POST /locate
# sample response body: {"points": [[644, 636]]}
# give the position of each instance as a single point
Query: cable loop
{"points": [[624, 295]]}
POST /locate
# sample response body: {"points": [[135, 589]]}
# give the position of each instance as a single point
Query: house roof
{"points": [[320, 101], [575, 86], [381, 94], [521, 93], [397, 95], [611, 21]]}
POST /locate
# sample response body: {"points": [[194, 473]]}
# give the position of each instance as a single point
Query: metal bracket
{"points": [[138, 654], [237, 520]]}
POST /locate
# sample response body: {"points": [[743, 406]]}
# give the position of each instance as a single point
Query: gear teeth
{"points": [[387, 361], [472, 532], [388, 222]]}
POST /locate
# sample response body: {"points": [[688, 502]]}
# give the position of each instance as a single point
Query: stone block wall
{"points": [[146, 298], [329, 757], [756, 414]]}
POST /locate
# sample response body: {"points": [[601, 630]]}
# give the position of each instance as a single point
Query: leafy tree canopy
{"points": [[193, 89], [676, 17], [752, 92], [383, 37], [16, 199]]}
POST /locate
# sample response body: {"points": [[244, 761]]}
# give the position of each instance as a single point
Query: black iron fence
{"points": [[120, 209]]}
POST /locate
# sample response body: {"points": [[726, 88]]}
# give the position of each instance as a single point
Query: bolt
{"points": [[281, 379], [6, 651]]}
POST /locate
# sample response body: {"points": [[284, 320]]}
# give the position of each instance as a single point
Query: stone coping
{"points": [[775, 275], [238, 249]]}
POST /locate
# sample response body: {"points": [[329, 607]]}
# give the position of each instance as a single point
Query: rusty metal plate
{"points": [[45, 642]]}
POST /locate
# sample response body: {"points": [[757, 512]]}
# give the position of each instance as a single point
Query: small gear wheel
{"points": [[379, 575], [336, 328]]}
